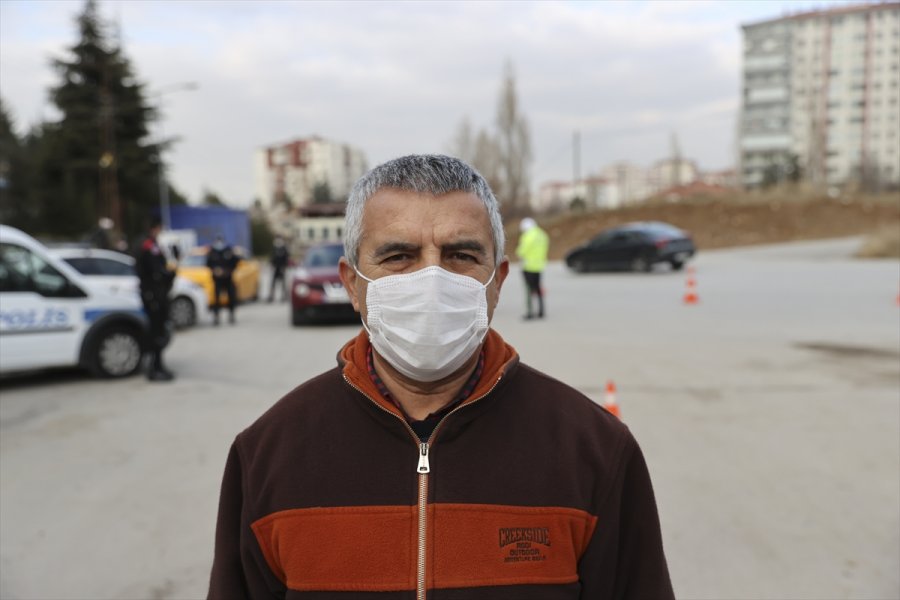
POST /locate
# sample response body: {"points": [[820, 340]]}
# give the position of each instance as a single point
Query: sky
{"points": [[395, 78]]}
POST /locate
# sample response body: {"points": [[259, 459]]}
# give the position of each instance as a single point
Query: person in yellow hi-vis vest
{"points": [[532, 250]]}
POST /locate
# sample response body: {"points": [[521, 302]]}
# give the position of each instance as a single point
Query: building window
{"points": [[340, 232], [311, 233], [325, 233]]}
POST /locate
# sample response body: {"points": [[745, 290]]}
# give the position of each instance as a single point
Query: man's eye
{"points": [[464, 257], [396, 257]]}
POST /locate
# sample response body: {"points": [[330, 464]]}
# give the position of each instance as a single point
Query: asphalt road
{"points": [[769, 414]]}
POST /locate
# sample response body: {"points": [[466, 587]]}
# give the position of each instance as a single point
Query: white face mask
{"points": [[428, 323]]}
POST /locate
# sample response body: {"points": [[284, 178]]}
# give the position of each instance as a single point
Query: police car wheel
{"points": [[117, 353], [183, 312]]}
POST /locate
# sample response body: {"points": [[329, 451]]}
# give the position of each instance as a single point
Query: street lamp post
{"points": [[164, 214]]}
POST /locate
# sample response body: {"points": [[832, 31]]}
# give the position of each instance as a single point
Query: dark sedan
{"points": [[633, 246], [317, 294]]}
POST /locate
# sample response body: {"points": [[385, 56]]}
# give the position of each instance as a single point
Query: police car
{"points": [[187, 300], [52, 316]]}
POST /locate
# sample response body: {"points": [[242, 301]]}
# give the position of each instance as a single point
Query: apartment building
{"points": [[291, 171], [556, 196], [628, 183], [624, 183], [671, 172], [821, 93]]}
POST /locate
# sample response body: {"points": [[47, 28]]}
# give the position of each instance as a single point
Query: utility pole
{"points": [[675, 166], [576, 158], [108, 163], [164, 213]]}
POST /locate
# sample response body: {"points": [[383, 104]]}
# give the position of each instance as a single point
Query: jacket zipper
{"points": [[423, 468]]}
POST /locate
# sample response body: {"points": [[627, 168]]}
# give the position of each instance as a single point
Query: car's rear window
{"points": [[86, 266], [323, 256], [660, 231]]}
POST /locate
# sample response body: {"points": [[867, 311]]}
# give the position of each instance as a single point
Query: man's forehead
{"points": [[403, 196], [396, 210]]}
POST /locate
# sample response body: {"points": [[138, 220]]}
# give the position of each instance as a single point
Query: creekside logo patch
{"points": [[524, 544]]}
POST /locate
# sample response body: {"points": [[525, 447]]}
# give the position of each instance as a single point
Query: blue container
{"points": [[210, 221]]}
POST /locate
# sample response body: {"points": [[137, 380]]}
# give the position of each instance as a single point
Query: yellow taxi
{"points": [[246, 275]]}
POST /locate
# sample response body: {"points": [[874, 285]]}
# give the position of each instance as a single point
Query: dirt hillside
{"points": [[734, 221]]}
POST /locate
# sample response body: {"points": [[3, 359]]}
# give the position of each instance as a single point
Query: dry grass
{"points": [[738, 219], [884, 243]]}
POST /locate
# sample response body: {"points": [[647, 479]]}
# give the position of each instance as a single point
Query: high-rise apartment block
{"points": [[292, 171], [821, 93]]}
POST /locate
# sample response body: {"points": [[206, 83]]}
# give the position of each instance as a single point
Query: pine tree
{"points": [[96, 161], [14, 207]]}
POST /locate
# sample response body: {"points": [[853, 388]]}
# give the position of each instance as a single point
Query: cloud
{"points": [[397, 77]]}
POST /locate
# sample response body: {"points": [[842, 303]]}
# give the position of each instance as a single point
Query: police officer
{"points": [[222, 261], [532, 249], [279, 261], [156, 281]]}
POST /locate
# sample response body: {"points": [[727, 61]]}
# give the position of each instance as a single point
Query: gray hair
{"points": [[434, 174]]}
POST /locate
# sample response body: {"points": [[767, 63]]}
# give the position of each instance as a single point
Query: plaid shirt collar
{"points": [[464, 392]]}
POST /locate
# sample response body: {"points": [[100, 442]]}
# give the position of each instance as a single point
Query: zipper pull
{"points": [[423, 459]]}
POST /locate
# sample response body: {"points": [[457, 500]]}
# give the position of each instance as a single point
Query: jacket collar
{"points": [[499, 359]]}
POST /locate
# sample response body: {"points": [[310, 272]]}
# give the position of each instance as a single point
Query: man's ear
{"points": [[499, 277], [349, 279], [502, 272]]}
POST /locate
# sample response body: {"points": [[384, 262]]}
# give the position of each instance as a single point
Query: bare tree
{"points": [[514, 144], [486, 159], [502, 158], [463, 144], [480, 150]]}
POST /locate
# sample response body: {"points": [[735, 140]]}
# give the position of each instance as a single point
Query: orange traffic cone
{"points": [[610, 404], [690, 294]]}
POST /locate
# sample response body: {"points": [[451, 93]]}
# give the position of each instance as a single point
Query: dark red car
{"points": [[317, 294]]}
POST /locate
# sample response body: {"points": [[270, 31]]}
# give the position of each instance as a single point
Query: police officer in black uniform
{"points": [[156, 281], [279, 261], [222, 261]]}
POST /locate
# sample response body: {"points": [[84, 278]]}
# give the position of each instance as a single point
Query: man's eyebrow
{"points": [[391, 247], [471, 245]]}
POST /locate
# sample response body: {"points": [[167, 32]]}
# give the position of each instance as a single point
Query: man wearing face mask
{"points": [[430, 462]]}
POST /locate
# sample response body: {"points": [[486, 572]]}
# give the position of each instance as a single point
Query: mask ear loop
{"points": [[363, 321], [363, 276]]}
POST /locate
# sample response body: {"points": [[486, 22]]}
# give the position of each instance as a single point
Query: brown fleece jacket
{"points": [[527, 491]]}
